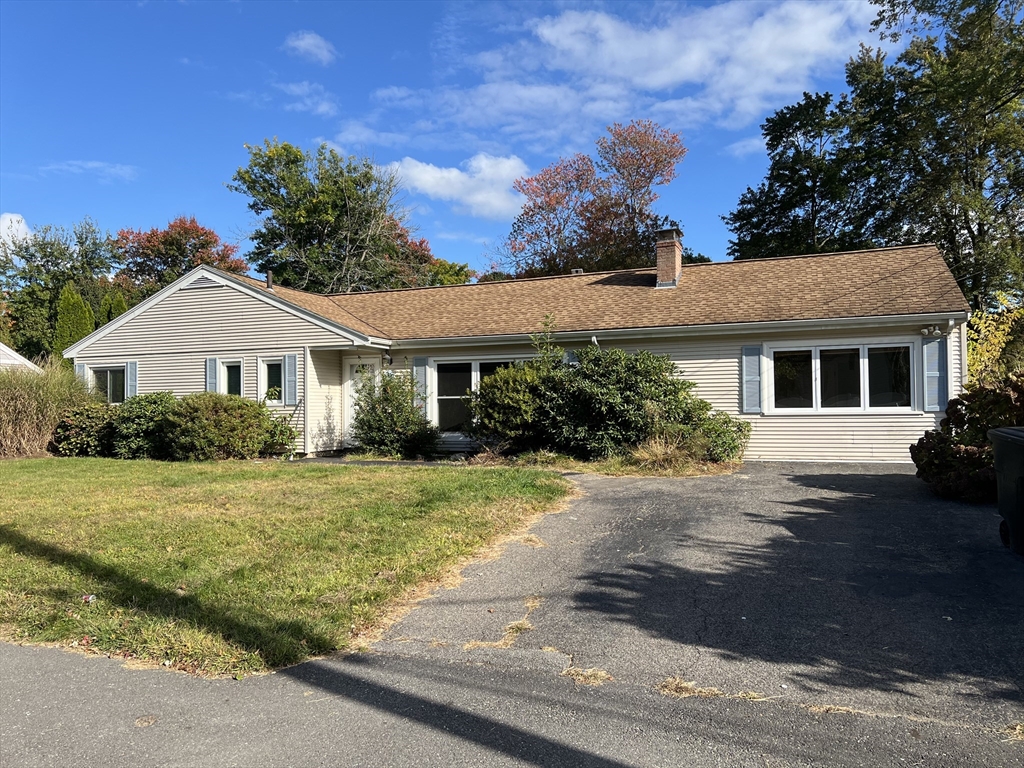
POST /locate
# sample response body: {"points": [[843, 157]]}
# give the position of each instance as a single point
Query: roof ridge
{"points": [[636, 270]]}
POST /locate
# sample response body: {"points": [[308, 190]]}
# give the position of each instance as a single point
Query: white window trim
{"points": [[433, 362], [222, 373], [92, 370], [916, 406], [261, 377]]}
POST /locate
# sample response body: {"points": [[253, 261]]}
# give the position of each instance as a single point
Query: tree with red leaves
{"points": [[158, 257], [597, 214]]}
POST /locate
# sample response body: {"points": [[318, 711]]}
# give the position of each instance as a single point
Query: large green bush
{"points": [[606, 402], [207, 425], [957, 459], [31, 405], [388, 419], [86, 429], [139, 426]]}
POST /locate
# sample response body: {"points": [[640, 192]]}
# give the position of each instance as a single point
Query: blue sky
{"points": [[134, 113]]}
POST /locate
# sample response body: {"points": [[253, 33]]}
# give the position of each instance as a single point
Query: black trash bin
{"points": [[1008, 443]]}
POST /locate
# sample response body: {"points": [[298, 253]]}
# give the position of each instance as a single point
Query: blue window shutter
{"points": [[81, 373], [419, 374], [131, 378], [752, 380], [211, 374], [936, 387], [291, 381]]}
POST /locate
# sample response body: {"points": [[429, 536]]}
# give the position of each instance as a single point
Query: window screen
{"points": [[888, 377], [794, 382], [274, 382], [840, 378], [233, 378], [454, 381]]}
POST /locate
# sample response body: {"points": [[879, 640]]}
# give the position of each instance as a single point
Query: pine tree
{"points": [[75, 319], [118, 306], [113, 305]]}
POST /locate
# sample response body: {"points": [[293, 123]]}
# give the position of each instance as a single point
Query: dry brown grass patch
{"points": [[683, 689], [512, 631], [1014, 732], [592, 676]]}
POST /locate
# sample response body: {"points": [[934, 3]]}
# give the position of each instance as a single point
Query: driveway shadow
{"points": [[864, 581]]}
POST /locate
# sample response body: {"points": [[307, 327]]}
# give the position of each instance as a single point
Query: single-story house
{"points": [[843, 357], [11, 359]]}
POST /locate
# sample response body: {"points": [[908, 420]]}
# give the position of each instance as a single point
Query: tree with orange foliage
{"points": [[154, 259], [597, 214]]}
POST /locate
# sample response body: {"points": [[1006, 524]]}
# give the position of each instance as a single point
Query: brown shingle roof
{"points": [[884, 281]]}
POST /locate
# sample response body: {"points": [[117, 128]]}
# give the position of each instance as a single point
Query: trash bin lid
{"points": [[1009, 434]]}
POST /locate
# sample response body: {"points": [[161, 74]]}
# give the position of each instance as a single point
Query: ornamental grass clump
{"points": [[31, 405]]}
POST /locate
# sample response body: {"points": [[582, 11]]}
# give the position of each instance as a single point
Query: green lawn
{"points": [[235, 567]]}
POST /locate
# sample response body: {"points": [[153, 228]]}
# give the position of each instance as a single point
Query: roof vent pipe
{"points": [[575, 271], [270, 280], [669, 251]]}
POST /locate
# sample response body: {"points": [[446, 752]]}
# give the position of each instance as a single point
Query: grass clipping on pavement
{"points": [[236, 567]]}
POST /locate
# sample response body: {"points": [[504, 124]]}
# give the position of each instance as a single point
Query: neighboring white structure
{"points": [[843, 357], [11, 359]]}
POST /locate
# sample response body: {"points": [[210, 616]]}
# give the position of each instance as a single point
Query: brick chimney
{"points": [[670, 257]]}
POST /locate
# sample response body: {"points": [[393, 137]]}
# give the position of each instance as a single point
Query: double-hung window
{"points": [[232, 377], [454, 381], [272, 389], [854, 377], [109, 382]]}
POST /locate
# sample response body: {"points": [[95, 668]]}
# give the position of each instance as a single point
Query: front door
{"points": [[354, 373]]}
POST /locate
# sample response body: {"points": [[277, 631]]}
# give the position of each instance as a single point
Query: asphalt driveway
{"points": [[835, 615]]}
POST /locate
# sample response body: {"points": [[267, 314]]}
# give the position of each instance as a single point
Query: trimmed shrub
{"points": [[957, 460], [32, 403], [388, 420], [86, 429], [139, 428], [207, 425], [504, 410]]}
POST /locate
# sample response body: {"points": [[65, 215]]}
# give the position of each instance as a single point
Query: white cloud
{"points": [[13, 227], [311, 97], [481, 187], [309, 45], [751, 145], [740, 58], [355, 133], [105, 171]]}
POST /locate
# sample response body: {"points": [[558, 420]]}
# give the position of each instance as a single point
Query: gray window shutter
{"points": [[752, 380], [936, 388], [131, 378], [211, 374], [291, 381], [419, 373], [82, 373]]}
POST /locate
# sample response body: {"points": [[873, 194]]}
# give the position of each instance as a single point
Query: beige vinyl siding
{"points": [[214, 322], [172, 340], [325, 400], [713, 364]]}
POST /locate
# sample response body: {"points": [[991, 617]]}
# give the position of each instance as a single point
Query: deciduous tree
{"points": [[329, 224], [34, 269], [596, 214], [158, 257], [809, 201], [929, 148]]}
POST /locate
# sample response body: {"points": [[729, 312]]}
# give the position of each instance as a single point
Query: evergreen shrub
{"points": [[388, 419]]}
